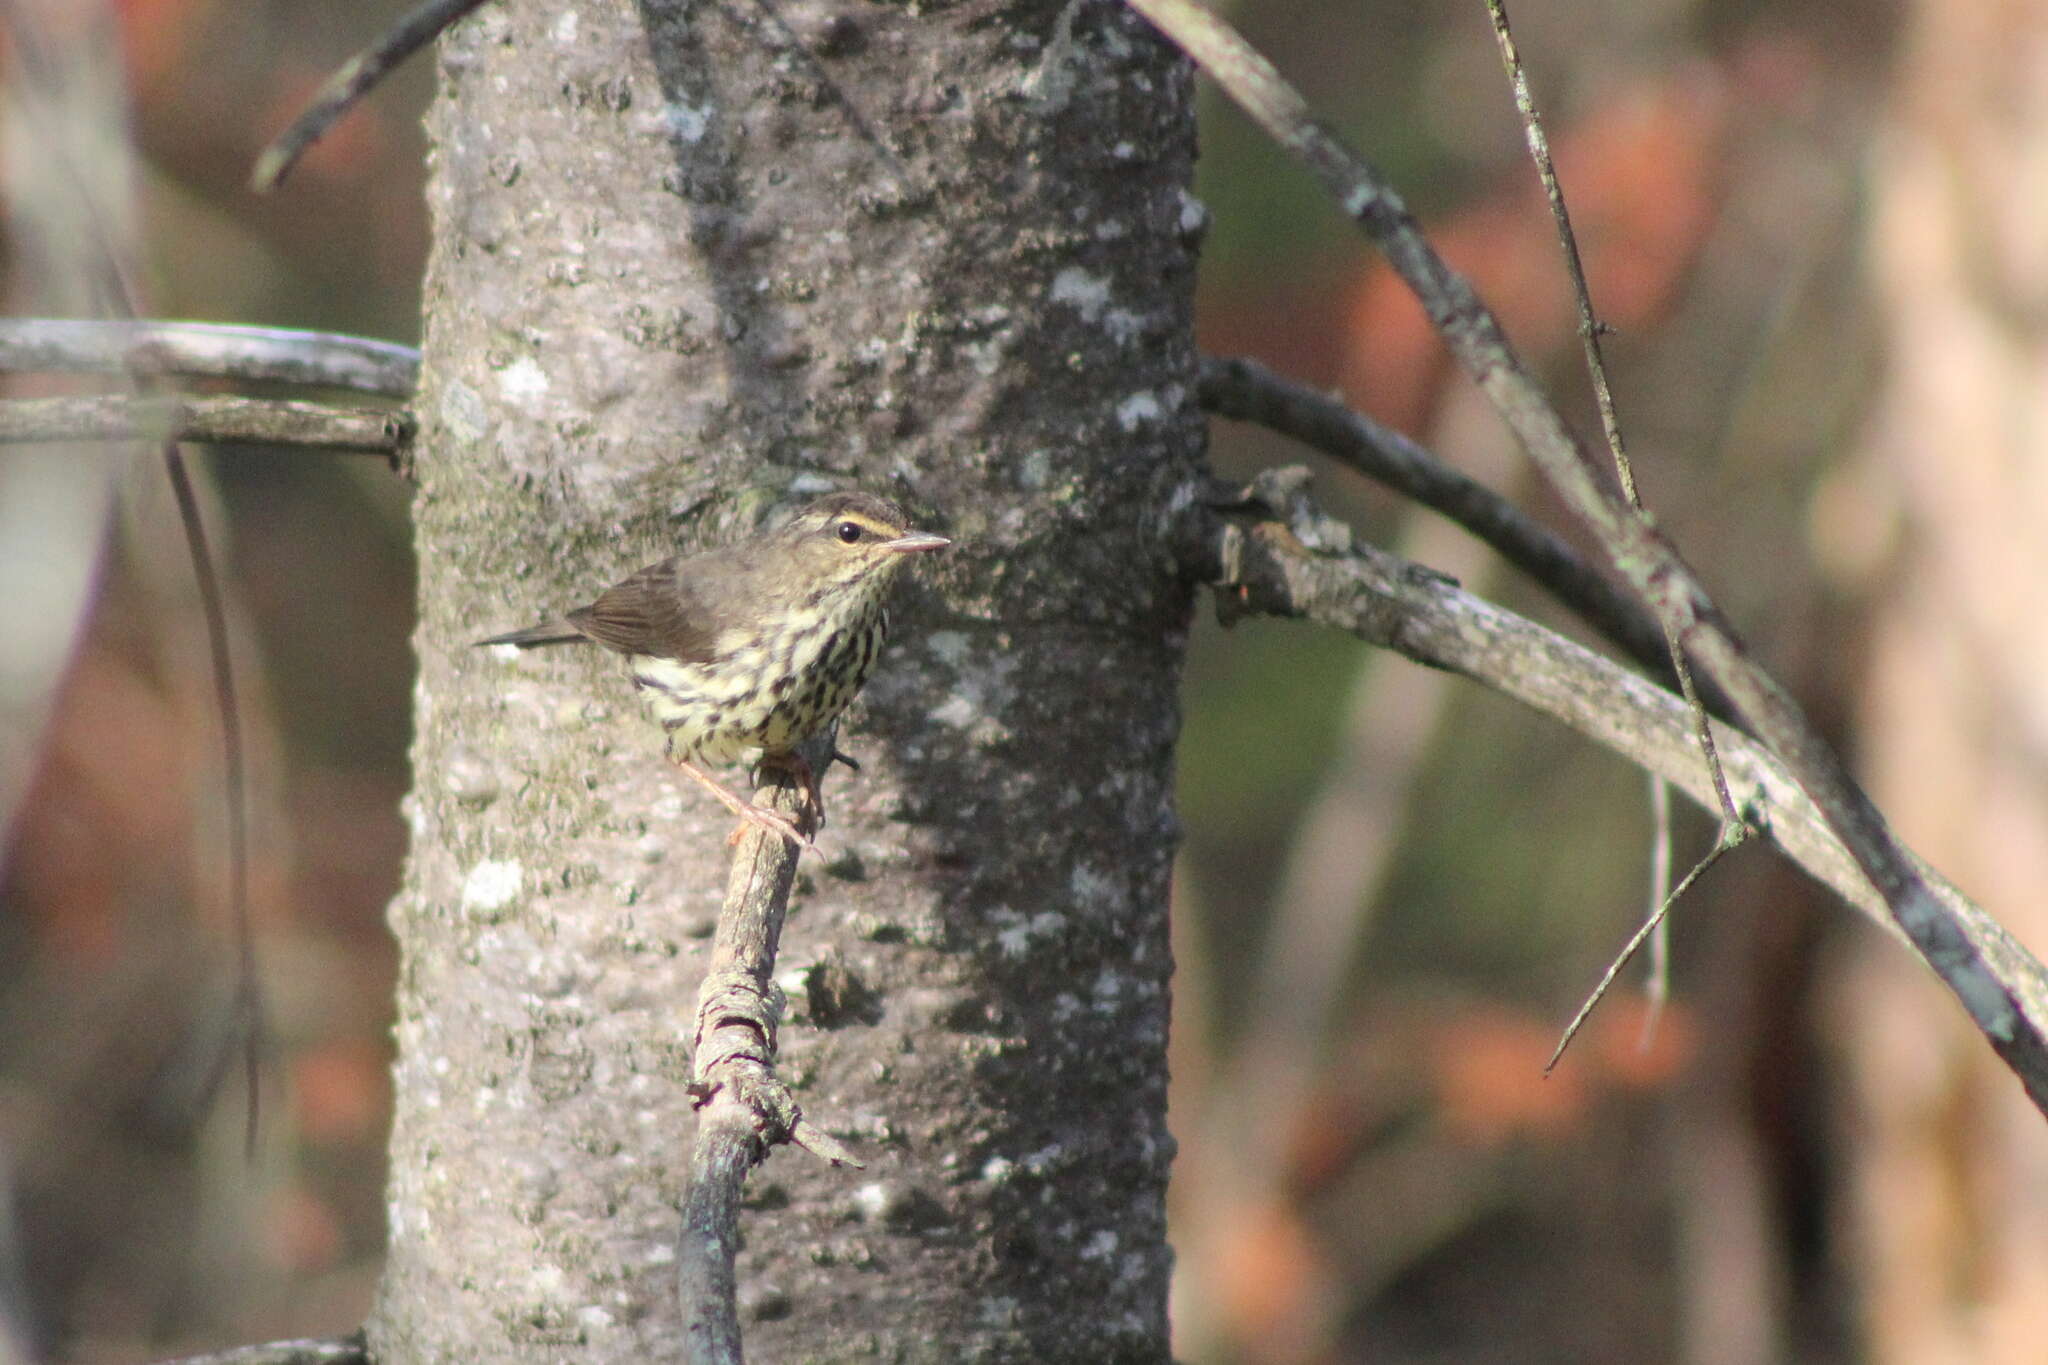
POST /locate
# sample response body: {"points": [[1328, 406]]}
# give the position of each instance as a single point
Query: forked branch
{"points": [[1632, 545], [1267, 550]]}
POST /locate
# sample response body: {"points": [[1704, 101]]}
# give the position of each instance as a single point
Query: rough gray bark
{"points": [[690, 263]]}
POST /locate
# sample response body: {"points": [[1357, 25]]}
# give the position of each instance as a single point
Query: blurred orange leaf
{"points": [[338, 1090], [1488, 1068]]}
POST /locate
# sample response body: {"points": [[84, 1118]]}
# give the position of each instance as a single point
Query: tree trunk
{"points": [[692, 264]]}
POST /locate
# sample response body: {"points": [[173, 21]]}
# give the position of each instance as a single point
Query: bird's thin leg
{"points": [[799, 767], [760, 816]]}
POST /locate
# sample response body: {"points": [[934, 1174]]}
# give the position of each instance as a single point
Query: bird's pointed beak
{"points": [[915, 541]]}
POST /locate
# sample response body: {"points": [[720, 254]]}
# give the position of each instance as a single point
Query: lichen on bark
{"points": [[691, 264]]}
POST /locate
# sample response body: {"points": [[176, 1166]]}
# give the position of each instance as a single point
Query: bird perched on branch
{"points": [[755, 647]]}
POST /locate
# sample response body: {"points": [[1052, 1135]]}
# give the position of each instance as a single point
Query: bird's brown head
{"points": [[852, 542]]}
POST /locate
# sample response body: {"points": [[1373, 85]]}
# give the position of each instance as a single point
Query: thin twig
{"points": [[1732, 837], [210, 421], [1244, 390], [1635, 549], [1590, 331], [354, 80], [743, 1108], [1657, 985], [1268, 551], [114, 282], [210, 350], [248, 1006]]}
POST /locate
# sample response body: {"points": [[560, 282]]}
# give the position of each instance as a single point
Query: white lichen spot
{"points": [[1123, 325], [1358, 201], [1194, 214], [1034, 471], [1125, 151], [415, 814], [523, 380], [1051, 83], [463, 412], [985, 357], [564, 31], [1091, 889], [982, 688], [949, 645], [1108, 990], [998, 1169], [957, 714], [661, 1253], [872, 1199], [1100, 1247], [593, 1316], [1046, 1159], [491, 886], [1138, 409], [1014, 940], [1086, 294], [1015, 933], [684, 123]]}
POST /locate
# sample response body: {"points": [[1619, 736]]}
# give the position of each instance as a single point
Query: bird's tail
{"points": [[546, 633]]}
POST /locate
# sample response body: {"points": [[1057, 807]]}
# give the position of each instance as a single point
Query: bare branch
{"points": [[743, 1107], [347, 1350], [354, 80], [1590, 326], [209, 349], [1633, 547], [1590, 330], [1247, 391], [1266, 550], [215, 421]]}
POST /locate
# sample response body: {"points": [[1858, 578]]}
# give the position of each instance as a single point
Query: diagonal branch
{"points": [[1268, 551], [357, 76], [1247, 391], [1590, 330], [1647, 561]]}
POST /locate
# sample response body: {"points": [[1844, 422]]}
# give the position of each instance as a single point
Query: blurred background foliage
{"points": [[1394, 889]]}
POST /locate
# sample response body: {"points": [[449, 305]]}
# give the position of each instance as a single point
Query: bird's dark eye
{"points": [[849, 532]]}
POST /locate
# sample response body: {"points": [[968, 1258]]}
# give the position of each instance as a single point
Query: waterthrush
{"points": [[754, 648]]}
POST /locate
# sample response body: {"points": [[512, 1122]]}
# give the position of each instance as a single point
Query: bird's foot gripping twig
{"points": [[799, 767], [774, 822]]}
